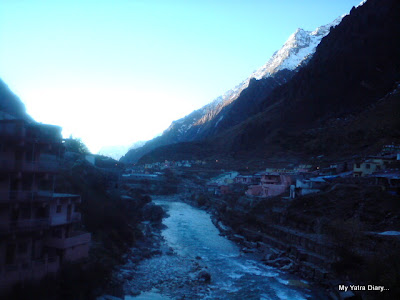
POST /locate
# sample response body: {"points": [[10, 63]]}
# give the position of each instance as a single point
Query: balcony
{"points": [[32, 270], [40, 166], [25, 196], [271, 180], [16, 196], [64, 219], [19, 130], [25, 166], [13, 129], [77, 238], [24, 225], [29, 166]]}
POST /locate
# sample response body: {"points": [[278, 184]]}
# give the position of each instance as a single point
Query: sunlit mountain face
{"points": [[218, 115], [322, 101]]}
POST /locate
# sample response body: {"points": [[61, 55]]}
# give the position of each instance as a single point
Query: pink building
{"points": [[218, 189], [37, 225], [255, 191], [272, 184]]}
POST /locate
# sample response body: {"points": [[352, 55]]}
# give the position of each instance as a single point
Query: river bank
{"points": [[193, 261], [331, 239], [265, 249]]}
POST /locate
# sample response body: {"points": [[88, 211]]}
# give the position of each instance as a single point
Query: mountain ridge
{"points": [[223, 112], [353, 67], [116, 152]]}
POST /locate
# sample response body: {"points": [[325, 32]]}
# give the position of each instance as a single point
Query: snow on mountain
{"points": [[361, 3], [296, 51], [299, 47]]}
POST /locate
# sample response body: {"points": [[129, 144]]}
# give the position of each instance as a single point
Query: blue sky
{"points": [[113, 72]]}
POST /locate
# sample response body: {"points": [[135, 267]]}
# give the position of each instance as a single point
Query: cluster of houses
{"points": [[153, 170], [371, 165], [269, 183], [159, 166], [306, 179], [174, 164]]}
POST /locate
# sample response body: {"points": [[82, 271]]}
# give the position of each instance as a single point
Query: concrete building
{"points": [[390, 149], [245, 179], [272, 184], [213, 188], [37, 226], [225, 178], [389, 179], [370, 165], [307, 186]]}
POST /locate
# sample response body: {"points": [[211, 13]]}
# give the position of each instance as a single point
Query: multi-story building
{"points": [[371, 165], [245, 179], [37, 226], [272, 184], [307, 186]]}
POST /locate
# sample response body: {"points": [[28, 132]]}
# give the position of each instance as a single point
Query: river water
{"points": [[198, 247]]}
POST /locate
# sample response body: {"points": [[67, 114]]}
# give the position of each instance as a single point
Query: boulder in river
{"points": [[204, 276], [153, 213]]}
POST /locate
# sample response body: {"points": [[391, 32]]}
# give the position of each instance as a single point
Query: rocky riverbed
{"points": [[189, 259]]}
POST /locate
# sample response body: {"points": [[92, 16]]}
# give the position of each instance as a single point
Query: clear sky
{"points": [[113, 72]]}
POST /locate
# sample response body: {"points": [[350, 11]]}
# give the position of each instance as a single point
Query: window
{"points": [[358, 166], [368, 166], [58, 210]]}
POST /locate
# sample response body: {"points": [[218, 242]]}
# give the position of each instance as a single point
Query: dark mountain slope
{"points": [[214, 117], [242, 101], [360, 133], [354, 66], [320, 110], [248, 103]]}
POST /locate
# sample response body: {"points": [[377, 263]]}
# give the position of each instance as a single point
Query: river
{"points": [[199, 249]]}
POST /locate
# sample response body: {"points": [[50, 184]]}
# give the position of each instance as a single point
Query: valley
{"points": [[287, 186], [316, 241]]}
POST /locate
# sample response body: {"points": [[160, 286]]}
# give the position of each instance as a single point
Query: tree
{"points": [[75, 145]]}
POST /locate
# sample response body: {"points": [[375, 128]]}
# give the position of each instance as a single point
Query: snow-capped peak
{"points": [[361, 3], [300, 45]]}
